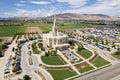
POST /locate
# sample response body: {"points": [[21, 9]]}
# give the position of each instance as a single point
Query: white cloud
{"points": [[109, 7], [75, 3], [20, 4], [30, 13], [40, 2]]}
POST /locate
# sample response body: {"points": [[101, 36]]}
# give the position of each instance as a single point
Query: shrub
{"points": [[26, 77]]}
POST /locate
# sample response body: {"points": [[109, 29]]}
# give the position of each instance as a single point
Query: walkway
{"points": [[70, 64]]}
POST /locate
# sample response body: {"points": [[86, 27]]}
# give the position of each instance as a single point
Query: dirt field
{"points": [[33, 29], [5, 38]]}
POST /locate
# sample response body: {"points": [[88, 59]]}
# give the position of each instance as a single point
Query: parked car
{"points": [[6, 71]]}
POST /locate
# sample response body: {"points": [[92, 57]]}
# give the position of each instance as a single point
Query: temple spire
{"points": [[54, 22], [54, 28]]}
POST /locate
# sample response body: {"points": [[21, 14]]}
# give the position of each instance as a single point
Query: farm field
{"points": [[8, 30], [73, 26], [32, 29], [45, 27]]}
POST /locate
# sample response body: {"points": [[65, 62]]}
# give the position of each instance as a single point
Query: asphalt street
{"points": [[104, 74]]}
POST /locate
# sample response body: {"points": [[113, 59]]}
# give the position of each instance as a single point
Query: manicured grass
{"points": [[85, 53], [52, 60], [8, 30], [116, 56], [61, 74], [86, 68], [99, 61]]}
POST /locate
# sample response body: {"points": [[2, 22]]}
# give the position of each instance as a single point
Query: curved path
{"points": [[67, 65], [29, 69], [104, 54]]}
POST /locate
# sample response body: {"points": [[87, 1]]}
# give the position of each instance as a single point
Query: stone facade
{"points": [[55, 39]]}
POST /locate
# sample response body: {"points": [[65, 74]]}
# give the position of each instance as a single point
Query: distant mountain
{"points": [[85, 16], [69, 16]]}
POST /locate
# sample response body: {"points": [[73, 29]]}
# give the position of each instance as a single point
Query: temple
{"points": [[55, 39]]}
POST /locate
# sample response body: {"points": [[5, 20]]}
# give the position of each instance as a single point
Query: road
{"points": [[4, 60], [104, 54], [109, 73], [105, 74], [29, 69]]}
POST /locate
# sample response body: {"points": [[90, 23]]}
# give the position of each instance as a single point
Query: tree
{"points": [[106, 42], [13, 49], [97, 40], [26, 77], [108, 49], [54, 52], [1, 54], [102, 42], [46, 54]]}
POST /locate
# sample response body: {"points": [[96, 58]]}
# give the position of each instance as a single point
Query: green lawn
{"points": [[8, 30], [86, 68], [61, 74], [85, 53], [99, 61], [52, 60], [116, 56]]}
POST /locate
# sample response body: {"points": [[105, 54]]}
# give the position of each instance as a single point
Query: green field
{"points": [[10, 30], [45, 27], [21, 29], [99, 61], [86, 68], [85, 53], [61, 74], [72, 26], [52, 60]]}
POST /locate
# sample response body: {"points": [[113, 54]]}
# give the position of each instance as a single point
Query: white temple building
{"points": [[55, 39]]}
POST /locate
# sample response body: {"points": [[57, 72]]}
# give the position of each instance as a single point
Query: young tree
{"points": [[26, 77]]}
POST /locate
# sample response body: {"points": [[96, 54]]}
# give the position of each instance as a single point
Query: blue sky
{"points": [[41, 8]]}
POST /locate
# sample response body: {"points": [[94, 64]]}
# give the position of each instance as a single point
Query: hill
{"points": [[85, 16], [70, 16]]}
